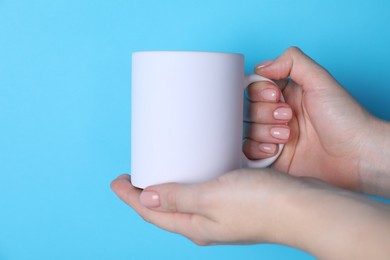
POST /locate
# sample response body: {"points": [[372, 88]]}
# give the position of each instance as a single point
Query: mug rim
{"points": [[186, 52]]}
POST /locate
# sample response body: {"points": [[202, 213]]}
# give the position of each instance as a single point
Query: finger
{"points": [[173, 197], [123, 188], [282, 83], [254, 150], [278, 134], [299, 67], [263, 91], [269, 113], [181, 223]]}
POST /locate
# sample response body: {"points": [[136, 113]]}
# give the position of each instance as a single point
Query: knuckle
{"points": [[294, 50], [252, 151], [255, 112], [255, 134]]}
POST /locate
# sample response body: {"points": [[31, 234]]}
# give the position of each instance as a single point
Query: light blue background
{"points": [[65, 107]]}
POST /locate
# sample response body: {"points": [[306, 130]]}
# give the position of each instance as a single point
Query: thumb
{"points": [[299, 67], [172, 197]]}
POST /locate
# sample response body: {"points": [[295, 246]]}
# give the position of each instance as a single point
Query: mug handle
{"points": [[262, 163]]}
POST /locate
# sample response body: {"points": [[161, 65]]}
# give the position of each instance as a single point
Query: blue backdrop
{"points": [[65, 107]]}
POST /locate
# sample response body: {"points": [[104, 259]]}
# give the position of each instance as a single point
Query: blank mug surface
{"points": [[187, 113]]}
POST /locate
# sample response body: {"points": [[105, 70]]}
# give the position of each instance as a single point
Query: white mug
{"points": [[187, 116]]}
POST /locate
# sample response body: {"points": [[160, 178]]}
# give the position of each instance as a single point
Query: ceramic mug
{"points": [[187, 116]]}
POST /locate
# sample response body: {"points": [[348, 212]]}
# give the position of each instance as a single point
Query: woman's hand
{"points": [[331, 136], [236, 208], [257, 206]]}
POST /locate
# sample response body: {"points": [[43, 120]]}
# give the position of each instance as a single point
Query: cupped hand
{"points": [[265, 206], [241, 207]]}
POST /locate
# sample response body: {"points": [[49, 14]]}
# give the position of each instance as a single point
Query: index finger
{"points": [[300, 67]]}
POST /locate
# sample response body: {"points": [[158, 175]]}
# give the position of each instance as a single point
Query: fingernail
{"points": [[261, 66], [150, 199], [268, 94], [282, 133], [283, 113], [267, 148], [264, 64]]}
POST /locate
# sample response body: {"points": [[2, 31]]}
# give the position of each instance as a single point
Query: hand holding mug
{"points": [[333, 138]]}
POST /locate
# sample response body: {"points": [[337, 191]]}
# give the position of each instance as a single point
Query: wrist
{"points": [[374, 164], [332, 223], [294, 223], [292, 207]]}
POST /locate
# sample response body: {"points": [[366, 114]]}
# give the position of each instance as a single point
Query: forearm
{"points": [[336, 224], [374, 168]]}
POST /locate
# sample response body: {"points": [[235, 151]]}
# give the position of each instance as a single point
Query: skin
{"points": [[333, 138], [265, 206], [328, 137]]}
